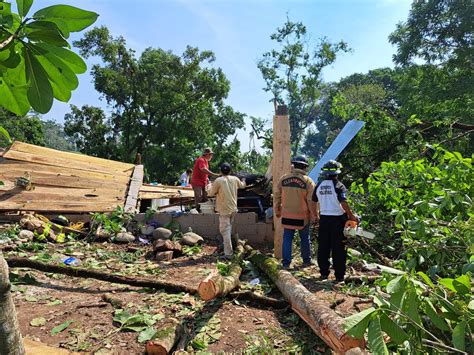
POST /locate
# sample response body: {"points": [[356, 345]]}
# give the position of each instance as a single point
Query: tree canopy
{"points": [[166, 107]]}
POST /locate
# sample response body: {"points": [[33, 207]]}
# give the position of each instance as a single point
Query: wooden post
{"points": [[136, 181], [281, 165]]}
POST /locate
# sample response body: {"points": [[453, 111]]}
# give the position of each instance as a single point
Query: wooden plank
{"points": [[69, 207], [15, 168], [66, 163], [72, 156], [153, 188], [135, 184], [281, 165], [72, 192], [26, 196]]}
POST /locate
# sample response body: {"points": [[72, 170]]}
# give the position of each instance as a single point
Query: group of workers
{"points": [[298, 201]]}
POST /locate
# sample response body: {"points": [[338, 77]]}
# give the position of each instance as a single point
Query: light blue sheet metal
{"points": [[348, 133]]}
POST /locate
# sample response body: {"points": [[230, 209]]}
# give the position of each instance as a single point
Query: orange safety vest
{"points": [[295, 193]]}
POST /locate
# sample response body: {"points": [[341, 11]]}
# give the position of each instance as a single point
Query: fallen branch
{"points": [[362, 279], [316, 313], [259, 299], [217, 285], [98, 275], [386, 261]]}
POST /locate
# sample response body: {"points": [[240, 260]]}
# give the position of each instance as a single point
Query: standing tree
{"points": [[164, 106], [36, 66], [293, 74]]}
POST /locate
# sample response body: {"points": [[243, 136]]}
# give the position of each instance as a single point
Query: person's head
{"points": [[189, 171], [331, 169], [226, 168], [208, 153], [300, 162]]}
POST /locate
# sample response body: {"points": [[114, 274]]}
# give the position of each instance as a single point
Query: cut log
{"points": [[166, 337], [316, 313], [98, 275], [217, 285]]}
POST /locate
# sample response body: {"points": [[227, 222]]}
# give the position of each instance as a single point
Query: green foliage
{"points": [[166, 107], [55, 137], [223, 268], [191, 250], [112, 223], [424, 209], [418, 315], [27, 129], [436, 30], [36, 64], [135, 322], [61, 327], [293, 74]]}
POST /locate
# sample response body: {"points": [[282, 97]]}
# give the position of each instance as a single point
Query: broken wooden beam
{"points": [[316, 313]]}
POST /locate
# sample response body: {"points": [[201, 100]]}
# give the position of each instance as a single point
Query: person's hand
{"points": [[277, 214], [353, 218]]}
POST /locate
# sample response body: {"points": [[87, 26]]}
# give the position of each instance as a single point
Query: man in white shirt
{"points": [[332, 211], [225, 189]]}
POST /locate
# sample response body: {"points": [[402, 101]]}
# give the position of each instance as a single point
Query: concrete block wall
{"points": [[207, 225]]}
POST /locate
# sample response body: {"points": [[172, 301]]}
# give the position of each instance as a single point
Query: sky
{"points": [[238, 32]]}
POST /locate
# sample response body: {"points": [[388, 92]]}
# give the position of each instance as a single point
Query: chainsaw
{"points": [[352, 229]]}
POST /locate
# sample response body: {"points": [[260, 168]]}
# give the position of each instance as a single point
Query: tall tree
{"points": [[27, 128], [164, 106], [293, 74], [55, 137]]}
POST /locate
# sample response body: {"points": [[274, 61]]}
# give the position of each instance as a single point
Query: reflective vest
{"points": [[294, 195]]}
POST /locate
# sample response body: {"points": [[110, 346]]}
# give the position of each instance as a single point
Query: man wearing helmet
{"points": [[292, 204], [332, 211], [225, 189]]}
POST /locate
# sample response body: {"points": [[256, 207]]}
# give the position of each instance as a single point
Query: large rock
{"points": [[164, 255], [147, 230], [26, 234], [191, 239], [161, 233], [124, 237], [167, 245]]}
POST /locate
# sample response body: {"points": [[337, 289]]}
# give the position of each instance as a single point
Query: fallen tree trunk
{"points": [[98, 275], [316, 313], [10, 337], [166, 337], [218, 285]]}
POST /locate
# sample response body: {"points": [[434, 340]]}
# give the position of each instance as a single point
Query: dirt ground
{"points": [[71, 313]]}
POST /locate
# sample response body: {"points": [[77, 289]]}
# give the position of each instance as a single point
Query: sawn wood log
{"points": [[316, 313], [166, 337]]}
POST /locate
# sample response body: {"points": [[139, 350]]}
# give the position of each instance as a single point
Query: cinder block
{"points": [[162, 218], [269, 232], [211, 230], [246, 218], [185, 221], [205, 219], [246, 231], [261, 230]]}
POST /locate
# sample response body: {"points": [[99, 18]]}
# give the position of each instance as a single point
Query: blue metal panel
{"points": [[348, 133]]}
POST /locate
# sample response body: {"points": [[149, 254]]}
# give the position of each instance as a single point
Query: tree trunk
{"points": [[317, 314], [166, 337], [218, 285], [98, 275], [10, 337]]}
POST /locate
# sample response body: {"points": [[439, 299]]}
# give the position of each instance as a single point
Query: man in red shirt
{"points": [[200, 177]]}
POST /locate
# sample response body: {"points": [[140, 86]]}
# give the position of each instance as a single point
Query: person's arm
{"points": [[241, 183], [214, 190], [347, 209], [277, 201], [341, 191], [207, 171], [314, 206]]}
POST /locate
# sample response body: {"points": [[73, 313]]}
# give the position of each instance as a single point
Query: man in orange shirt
{"points": [[200, 177]]}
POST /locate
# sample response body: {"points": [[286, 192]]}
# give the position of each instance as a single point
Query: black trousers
{"points": [[331, 240]]}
